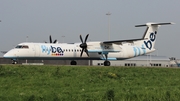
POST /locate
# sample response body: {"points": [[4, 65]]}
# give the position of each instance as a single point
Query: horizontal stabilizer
{"points": [[154, 24]]}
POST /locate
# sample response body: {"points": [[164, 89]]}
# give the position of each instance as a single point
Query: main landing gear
{"points": [[73, 62], [107, 63]]}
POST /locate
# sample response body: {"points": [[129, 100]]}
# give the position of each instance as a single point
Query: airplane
{"points": [[97, 50]]}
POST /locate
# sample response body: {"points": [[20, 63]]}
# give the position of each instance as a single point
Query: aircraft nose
{"points": [[8, 55]]}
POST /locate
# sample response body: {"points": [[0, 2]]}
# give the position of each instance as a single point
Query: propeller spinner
{"points": [[84, 45]]}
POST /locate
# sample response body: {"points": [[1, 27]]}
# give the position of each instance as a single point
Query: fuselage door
{"points": [[36, 50], [74, 51]]}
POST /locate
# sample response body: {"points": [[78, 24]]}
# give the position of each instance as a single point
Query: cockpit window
{"points": [[22, 46], [18, 46]]}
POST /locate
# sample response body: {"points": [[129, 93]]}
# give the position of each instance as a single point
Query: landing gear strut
{"points": [[106, 62], [73, 62]]}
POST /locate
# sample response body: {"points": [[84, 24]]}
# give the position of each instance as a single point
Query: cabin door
{"points": [[74, 52], [36, 50]]}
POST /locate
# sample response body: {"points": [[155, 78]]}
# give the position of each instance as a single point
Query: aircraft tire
{"points": [[14, 62], [73, 62], [107, 63]]}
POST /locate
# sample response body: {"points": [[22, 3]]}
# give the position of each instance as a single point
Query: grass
{"points": [[88, 83]]}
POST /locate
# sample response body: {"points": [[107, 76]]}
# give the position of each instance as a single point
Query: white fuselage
{"points": [[65, 51], [106, 50]]}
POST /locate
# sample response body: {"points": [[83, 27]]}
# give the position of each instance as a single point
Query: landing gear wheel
{"points": [[107, 63], [73, 62], [14, 62]]}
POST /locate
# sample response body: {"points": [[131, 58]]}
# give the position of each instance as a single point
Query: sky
{"points": [[35, 20]]}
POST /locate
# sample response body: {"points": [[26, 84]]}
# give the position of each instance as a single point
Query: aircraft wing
{"points": [[120, 41], [104, 52]]}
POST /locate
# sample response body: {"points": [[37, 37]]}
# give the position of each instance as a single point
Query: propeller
{"points": [[84, 45], [50, 40]]}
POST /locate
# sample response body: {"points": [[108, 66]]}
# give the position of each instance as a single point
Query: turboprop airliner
{"points": [[99, 50]]}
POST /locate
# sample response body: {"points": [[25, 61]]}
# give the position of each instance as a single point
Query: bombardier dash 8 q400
{"points": [[105, 50]]}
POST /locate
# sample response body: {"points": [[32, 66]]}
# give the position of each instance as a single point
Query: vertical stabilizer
{"points": [[151, 33]]}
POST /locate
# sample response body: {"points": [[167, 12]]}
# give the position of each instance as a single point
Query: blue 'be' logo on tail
{"points": [[152, 37]]}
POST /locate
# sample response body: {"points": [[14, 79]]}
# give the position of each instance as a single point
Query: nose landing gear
{"points": [[14, 61]]}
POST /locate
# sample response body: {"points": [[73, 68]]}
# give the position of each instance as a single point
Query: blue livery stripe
{"points": [[109, 58], [96, 51]]}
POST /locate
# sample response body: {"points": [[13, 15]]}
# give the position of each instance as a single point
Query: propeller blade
{"points": [[50, 39], [86, 38], [82, 52], [86, 52], [55, 41], [81, 38]]}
